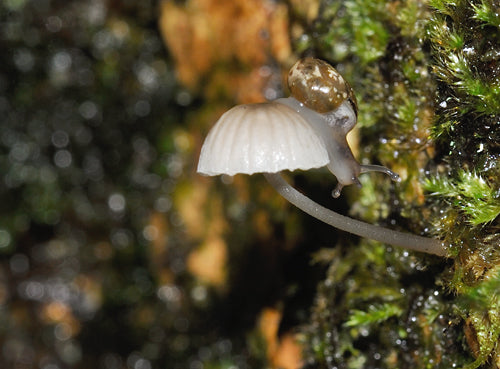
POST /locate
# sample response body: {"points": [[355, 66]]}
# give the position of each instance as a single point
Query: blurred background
{"points": [[113, 251]]}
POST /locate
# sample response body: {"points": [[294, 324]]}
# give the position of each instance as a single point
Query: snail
{"points": [[319, 86], [304, 131], [327, 101]]}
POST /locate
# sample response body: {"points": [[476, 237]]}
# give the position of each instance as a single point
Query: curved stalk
{"points": [[359, 228]]}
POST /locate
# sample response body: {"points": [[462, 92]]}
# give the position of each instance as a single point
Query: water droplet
{"points": [[116, 202], [60, 139], [88, 109], [63, 158], [150, 233], [4, 239], [61, 61], [53, 24]]}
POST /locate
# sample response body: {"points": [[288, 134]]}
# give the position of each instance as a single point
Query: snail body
{"points": [[331, 128], [326, 100]]}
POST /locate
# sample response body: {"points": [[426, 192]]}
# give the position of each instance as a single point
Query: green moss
{"points": [[367, 312], [428, 85], [361, 31], [373, 315], [483, 325], [488, 12], [468, 193]]}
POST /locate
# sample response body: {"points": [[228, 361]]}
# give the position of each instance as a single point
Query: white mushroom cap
{"points": [[261, 138]]}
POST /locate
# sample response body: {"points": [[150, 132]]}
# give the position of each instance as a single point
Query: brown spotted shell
{"points": [[319, 86]]}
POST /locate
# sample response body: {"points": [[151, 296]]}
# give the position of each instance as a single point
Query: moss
{"points": [[373, 315], [470, 194], [382, 308], [487, 12], [427, 77]]}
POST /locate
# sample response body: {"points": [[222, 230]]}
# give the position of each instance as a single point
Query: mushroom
{"points": [[307, 130]]}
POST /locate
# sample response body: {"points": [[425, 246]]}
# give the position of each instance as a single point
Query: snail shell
{"points": [[319, 86]]}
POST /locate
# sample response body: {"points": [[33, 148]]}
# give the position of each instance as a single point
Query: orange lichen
{"points": [[289, 353], [222, 46], [282, 352], [262, 224], [208, 262]]}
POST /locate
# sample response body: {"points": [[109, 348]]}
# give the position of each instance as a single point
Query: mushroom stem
{"points": [[359, 228]]}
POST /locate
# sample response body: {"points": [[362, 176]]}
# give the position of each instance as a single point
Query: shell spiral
{"points": [[319, 86]]}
